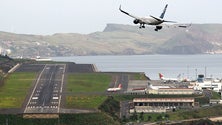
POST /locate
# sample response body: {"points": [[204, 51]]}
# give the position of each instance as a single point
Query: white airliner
{"points": [[151, 20], [167, 79], [178, 79], [115, 89]]}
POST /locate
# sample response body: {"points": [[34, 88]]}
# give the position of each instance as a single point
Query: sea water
{"points": [[185, 66]]}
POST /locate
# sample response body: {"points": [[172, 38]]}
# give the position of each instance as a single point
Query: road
{"points": [[46, 96], [124, 109]]}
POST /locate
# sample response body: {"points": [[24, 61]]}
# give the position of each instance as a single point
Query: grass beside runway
{"points": [[88, 82], [15, 89], [85, 101], [81, 85], [139, 76]]}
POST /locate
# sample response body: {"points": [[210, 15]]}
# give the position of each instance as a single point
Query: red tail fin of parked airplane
{"points": [[160, 75], [120, 86]]}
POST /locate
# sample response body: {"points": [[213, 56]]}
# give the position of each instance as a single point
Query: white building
{"points": [[166, 90], [207, 83]]}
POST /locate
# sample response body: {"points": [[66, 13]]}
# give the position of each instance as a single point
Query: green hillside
{"points": [[117, 39], [6, 63]]}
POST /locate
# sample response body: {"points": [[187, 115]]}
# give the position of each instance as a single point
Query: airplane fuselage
{"points": [[150, 21], [167, 79], [113, 89]]}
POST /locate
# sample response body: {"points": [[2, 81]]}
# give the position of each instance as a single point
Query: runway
{"points": [[46, 95]]}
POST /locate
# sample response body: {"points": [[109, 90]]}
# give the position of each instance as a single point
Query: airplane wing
{"points": [[156, 18], [184, 25], [159, 19], [169, 21], [128, 13], [176, 25], [160, 26]]}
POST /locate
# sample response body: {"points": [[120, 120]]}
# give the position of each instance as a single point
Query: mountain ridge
{"points": [[118, 39]]}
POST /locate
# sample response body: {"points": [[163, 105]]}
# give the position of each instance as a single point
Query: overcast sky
{"points": [[47, 17]]}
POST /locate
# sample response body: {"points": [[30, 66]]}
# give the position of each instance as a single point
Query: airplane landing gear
{"points": [[142, 26]]}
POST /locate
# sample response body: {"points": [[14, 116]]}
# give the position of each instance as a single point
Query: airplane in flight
{"points": [[151, 20], [115, 89]]}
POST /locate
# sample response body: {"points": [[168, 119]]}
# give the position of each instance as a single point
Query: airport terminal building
{"points": [[148, 105], [171, 91], [176, 91]]}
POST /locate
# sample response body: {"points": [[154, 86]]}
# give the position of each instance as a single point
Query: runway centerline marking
{"points": [[35, 87], [48, 92]]}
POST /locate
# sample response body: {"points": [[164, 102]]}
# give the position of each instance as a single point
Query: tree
{"points": [[149, 118], [159, 118], [124, 119], [134, 117], [141, 116], [167, 116]]}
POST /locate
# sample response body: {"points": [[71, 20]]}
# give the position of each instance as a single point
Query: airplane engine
{"points": [[158, 28], [136, 21]]}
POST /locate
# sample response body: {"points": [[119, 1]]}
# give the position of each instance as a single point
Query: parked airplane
{"points": [[156, 21], [115, 89], [178, 79], [167, 79]]}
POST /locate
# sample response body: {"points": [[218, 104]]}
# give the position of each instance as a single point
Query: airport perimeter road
{"points": [[46, 95], [124, 109]]}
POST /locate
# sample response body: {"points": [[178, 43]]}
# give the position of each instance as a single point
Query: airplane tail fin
{"points": [[160, 75], [120, 86], [163, 13]]}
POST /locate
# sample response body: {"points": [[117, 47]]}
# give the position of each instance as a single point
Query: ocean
{"points": [[185, 66]]}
